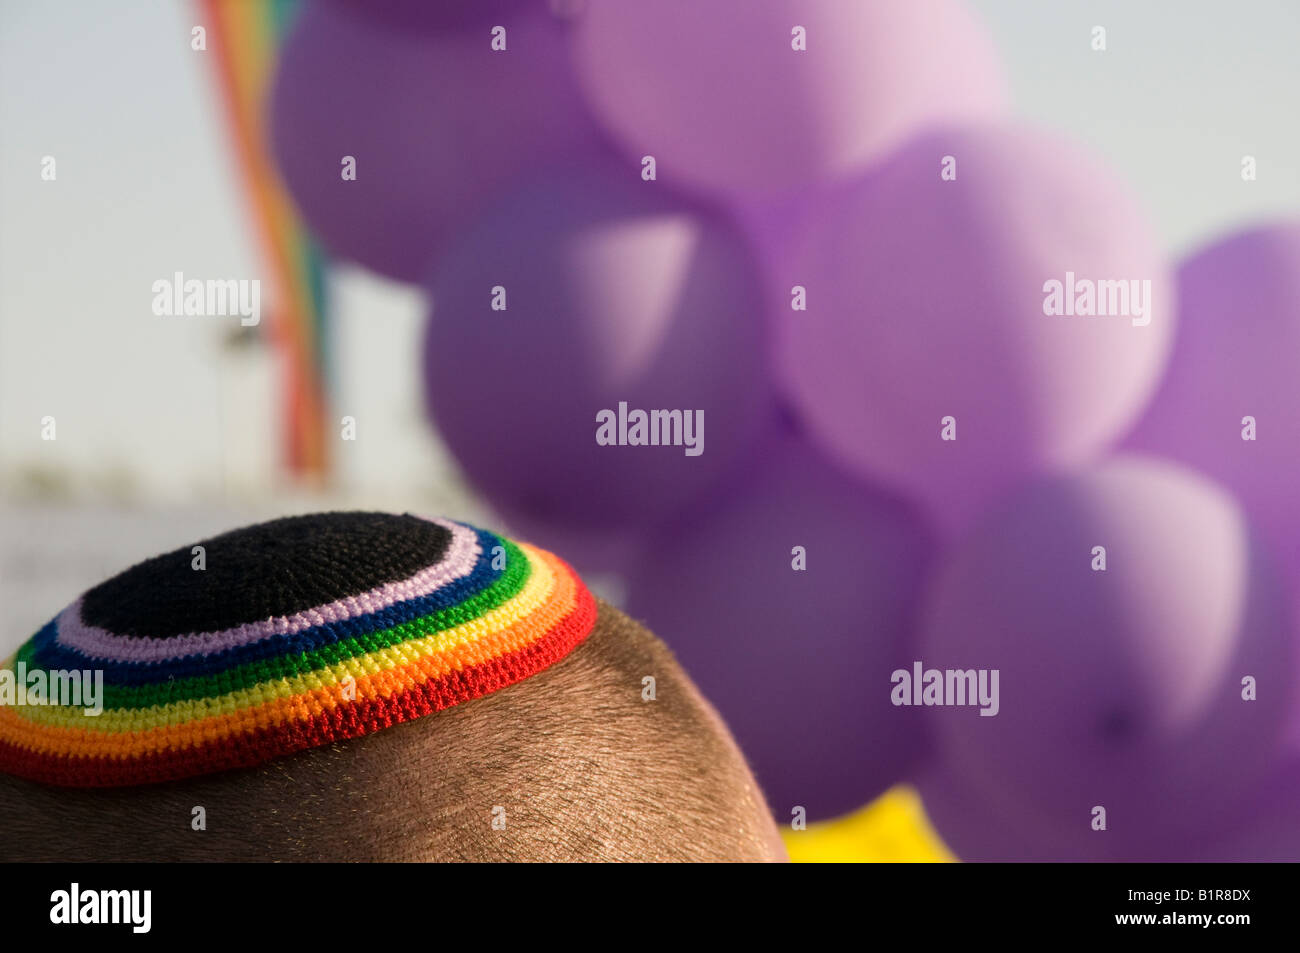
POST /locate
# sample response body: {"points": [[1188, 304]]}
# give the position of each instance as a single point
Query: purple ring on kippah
{"points": [[95, 642]]}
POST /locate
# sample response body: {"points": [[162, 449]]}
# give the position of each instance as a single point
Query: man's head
{"points": [[562, 731]]}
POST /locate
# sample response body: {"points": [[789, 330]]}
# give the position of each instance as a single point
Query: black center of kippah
{"points": [[271, 569]]}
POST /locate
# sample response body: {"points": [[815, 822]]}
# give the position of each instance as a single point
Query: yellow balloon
{"points": [[892, 829]]}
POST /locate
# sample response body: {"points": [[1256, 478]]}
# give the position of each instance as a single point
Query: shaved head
{"points": [[587, 760]]}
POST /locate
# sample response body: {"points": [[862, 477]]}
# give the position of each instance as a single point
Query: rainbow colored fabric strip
{"points": [[245, 38], [488, 614]]}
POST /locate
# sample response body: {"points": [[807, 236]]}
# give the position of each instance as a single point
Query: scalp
{"points": [[577, 764]]}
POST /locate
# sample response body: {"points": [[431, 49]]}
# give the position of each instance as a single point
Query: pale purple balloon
{"points": [[1237, 354], [798, 662], [1123, 687], [439, 124], [926, 300], [616, 293], [717, 94]]}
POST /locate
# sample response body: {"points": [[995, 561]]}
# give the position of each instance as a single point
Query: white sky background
{"points": [[1185, 89], [148, 186], [154, 410]]}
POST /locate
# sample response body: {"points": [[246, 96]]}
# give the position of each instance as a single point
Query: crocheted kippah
{"points": [[295, 633]]}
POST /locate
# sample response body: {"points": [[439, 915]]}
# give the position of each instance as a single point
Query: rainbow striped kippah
{"points": [[280, 637]]}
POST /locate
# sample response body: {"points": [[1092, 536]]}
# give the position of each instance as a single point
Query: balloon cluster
{"points": [[902, 430]]}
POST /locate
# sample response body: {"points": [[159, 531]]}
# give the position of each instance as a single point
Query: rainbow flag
{"points": [[243, 37]]}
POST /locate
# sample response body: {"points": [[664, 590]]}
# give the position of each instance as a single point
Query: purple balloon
{"points": [[1265, 829], [1237, 355], [928, 299], [590, 551], [721, 98], [1261, 826], [798, 662], [627, 369], [439, 124], [436, 14], [1120, 687], [978, 830]]}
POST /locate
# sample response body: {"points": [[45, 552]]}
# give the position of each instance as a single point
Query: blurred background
{"points": [[172, 429]]}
